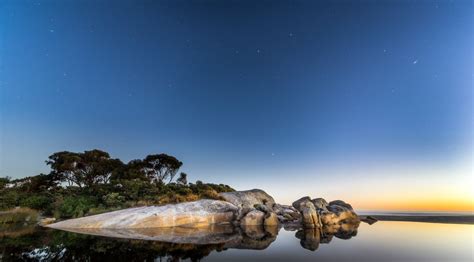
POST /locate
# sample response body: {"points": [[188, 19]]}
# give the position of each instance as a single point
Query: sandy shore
{"points": [[451, 219]]}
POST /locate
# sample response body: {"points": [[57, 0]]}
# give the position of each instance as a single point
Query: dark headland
{"points": [[445, 219]]}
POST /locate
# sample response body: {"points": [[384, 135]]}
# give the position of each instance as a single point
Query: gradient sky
{"points": [[366, 101]]}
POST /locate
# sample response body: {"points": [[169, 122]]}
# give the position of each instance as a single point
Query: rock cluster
{"points": [[319, 213]]}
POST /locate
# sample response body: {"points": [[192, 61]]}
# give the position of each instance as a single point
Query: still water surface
{"points": [[382, 241]]}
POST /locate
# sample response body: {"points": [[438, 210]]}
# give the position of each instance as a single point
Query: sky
{"points": [[366, 101]]}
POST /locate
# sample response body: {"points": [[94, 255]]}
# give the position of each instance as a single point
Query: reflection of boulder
{"points": [[253, 231], [254, 237], [310, 238], [326, 238], [343, 230], [347, 230], [204, 235]]}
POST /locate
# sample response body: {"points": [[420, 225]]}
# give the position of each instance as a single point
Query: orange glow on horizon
{"points": [[440, 204]]}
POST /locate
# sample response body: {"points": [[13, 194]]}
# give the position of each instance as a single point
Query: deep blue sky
{"points": [[236, 89]]}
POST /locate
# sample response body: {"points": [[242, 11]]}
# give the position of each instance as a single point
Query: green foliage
{"points": [[4, 181], [113, 199], [37, 202], [182, 179], [9, 199], [76, 206], [92, 182], [160, 167]]}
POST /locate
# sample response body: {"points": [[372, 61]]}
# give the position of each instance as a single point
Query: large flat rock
{"points": [[201, 213]]}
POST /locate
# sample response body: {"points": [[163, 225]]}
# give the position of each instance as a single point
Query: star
{"points": [[258, 50], [415, 62], [290, 34]]}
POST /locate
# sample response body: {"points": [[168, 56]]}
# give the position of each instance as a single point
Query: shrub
{"points": [[36, 202], [9, 199], [76, 206], [113, 200]]}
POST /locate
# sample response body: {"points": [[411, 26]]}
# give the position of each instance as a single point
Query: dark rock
{"points": [[368, 219], [320, 203], [298, 202], [249, 198]]}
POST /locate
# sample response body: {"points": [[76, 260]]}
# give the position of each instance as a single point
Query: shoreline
{"points": [[450, 219]]}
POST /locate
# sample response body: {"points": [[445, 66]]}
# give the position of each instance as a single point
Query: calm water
{"points": [[383, 241]]}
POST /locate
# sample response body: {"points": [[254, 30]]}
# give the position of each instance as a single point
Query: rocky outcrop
{"points": [[339, 212], [307, 209], [249, 199], [253, 218], [320, 203], [201, 213], [318, 212], [270, 219], [368, 219], [286, 213]]}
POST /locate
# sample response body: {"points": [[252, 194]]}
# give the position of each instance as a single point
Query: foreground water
{"points": [[382, 241]]}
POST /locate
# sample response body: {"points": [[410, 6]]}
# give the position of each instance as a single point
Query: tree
{"points": [[83, 169], [4, 182], [160, 167], [132, 170], [65, 166], [182, 179]]}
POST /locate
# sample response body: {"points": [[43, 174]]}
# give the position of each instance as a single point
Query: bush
{"points": [[76, 206], [9, 199], [36, 202], [113, 200]]}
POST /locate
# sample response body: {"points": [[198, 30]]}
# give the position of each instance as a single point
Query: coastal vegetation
{"points": [[92, 182]]}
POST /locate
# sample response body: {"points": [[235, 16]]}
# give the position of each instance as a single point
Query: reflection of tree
{"points": [[51, 245]]}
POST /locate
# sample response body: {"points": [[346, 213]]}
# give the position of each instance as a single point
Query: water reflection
{"points": [[174, 244]]}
